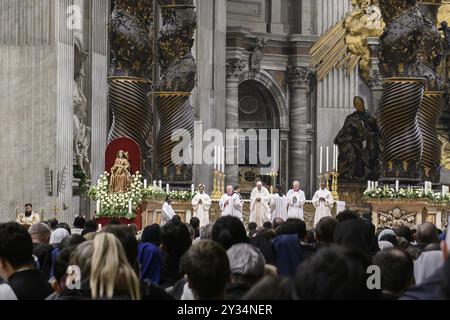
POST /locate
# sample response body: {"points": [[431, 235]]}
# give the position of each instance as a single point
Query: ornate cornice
{"points": [[300, 76]]}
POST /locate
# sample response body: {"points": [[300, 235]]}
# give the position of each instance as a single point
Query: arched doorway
{"points": [[259, 115]]}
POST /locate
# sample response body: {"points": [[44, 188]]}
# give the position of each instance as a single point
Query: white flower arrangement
{"points": [[409, 193], [116, 205]]}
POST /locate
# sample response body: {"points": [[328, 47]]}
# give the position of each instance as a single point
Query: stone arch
{"points": [[266, 80]]}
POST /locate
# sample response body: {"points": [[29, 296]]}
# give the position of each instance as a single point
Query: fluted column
{"points": [[234, 68], [299, 164]]}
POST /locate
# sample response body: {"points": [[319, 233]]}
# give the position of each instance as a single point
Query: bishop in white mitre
{"points": [[231, 204], [167, 212], [296, 200], [201, 204], [259, 205], [278, 204], [323, 202]]}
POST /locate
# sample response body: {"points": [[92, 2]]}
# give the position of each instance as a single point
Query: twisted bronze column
{"points": [[428, 117], [399, 128]]}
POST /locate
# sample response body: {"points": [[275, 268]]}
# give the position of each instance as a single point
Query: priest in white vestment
{"points": [[201, 204], [296, 200], [278, 204], [231, 204], [259, 207], [167, 212], [323, 202]]}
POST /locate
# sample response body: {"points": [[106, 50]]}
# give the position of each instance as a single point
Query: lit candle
{"points": [[337, 158], [192, 189], [218, 158], [160, 184], [397, 185], [334, 158], [321, 159], [328, 158], [167, 188], [215, 158], [145, 183], [130, 206]]}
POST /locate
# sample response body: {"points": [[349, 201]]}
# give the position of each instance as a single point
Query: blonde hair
{"points": [[111, 273]]}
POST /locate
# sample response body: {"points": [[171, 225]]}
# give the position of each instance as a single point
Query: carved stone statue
{"points": [[445, 152], [258, 54], [120, 180], [81, 132], [359, 147]]}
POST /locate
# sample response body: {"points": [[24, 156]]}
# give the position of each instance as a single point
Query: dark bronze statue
{"points": [[359, 147]]}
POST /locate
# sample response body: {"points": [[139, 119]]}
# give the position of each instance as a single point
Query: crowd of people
{"points": [[224, 260]]}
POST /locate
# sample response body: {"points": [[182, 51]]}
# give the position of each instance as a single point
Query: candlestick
{"points": [[328, 149], [167, 188], [160, 184], [145, 183], [321, 160]]}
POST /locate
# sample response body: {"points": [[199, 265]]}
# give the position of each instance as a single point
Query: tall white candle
{"points": [[192, 189], [167, 188], [99, 227], [337, 158], [160, 184], [130, 206], [328, 158], [98, 183], [154, 183], [333, 166], [145, 183], [397, 185], [223, 159], [98, 207], [218, 158], [368, 185], [320, 160], [215, 157]]}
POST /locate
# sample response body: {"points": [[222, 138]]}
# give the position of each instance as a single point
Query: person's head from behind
{"points": [[277, 222], [324, 231], [195, 223], [168, 200], [91, 225], [175, 238], [247, 264], [278, 189], [228, 231], [270, 287], [40, 233], [79, 222], [60, 266], [267, 225], [52, 223], [293, 226], [114, 222], [207, 270], [65, 226], [334, 273], [16, 249], [152, 234], [397, 270], [237, 189], [427, 233], [128, 240], [404, 232], [252, 226], [58, 235], [191, 231], [71, 242], [346, 215]]}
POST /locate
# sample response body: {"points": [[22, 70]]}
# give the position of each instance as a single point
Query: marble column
{"points": [[234, 68], [299, 162]]}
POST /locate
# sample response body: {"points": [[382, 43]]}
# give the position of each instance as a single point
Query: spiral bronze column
{"points": [[131, 109], [399, 129], [428, 117]]}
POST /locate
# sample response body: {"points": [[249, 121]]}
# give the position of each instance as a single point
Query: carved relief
{"points": [[396, 217], [300, 76]]}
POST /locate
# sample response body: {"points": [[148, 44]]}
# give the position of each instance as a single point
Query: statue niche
{"points": [[359, 146], [120, 180]]}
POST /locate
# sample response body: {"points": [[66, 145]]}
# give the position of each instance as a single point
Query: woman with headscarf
{"points": [[149, 254]]}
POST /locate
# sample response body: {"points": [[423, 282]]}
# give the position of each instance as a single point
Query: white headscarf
{"points": [[58, 235], [385, 232]]}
